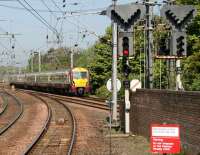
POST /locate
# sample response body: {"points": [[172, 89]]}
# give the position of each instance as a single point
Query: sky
{"points": [[31, 34]]}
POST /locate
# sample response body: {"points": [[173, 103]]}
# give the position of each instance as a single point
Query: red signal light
{"points": [[125, 46], [125, 53]]}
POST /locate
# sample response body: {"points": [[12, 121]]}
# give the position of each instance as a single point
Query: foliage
{"points": [[191, 66], [100, 67], [102, 92], [191, 72]]}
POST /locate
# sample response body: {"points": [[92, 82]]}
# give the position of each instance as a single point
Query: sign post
{"points": [[165, 138]]}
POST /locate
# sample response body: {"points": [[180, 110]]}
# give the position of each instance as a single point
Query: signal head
{"points": [[125, 45]]}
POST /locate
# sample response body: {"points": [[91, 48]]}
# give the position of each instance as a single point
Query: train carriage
{"points": [[75, 81]]}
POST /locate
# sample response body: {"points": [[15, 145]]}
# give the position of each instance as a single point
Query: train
{"points": [[74, 81]]}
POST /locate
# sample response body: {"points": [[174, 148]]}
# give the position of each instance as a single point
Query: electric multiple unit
{"points": [[75, 81]]}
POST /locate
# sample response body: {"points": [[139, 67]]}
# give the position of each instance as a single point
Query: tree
{"points": [[191, 65], [100, 67]]}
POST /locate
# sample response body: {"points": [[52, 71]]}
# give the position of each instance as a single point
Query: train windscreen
{"points": [[80, 75]]}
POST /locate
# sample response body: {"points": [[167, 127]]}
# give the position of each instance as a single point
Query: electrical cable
{"points": [[71, 13], [19, 8], [83, 27], [56, 5], [43, 2], [41, 19], [40, 16], [51, 14], [60, 11]]}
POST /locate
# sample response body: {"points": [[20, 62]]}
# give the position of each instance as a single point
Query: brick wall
{"points": [[155, 106]]}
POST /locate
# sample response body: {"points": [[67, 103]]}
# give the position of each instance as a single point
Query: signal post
{"points": [[178, 17], [126, 70], [125, 16]]}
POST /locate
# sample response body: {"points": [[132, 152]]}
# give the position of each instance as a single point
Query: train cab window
{"points": [[79, 75]]}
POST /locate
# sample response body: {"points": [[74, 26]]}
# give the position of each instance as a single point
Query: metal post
{"points": [[127, 104], [171, 74], [71, 58], [32, 62], [114, 69], [179, 85], [39, 61], [144, 86], [149, 30]]}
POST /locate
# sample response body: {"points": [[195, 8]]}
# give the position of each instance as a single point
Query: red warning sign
{"points": [[165, 138]]}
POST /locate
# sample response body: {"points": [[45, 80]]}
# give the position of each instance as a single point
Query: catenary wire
{"points": [[71, 13], [40, 18]]}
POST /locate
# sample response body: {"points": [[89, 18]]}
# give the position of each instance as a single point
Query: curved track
{"points": [[4, 103], [86, 101], [59, 132], [11, 112]]}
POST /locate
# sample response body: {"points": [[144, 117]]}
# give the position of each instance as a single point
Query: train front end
{"points": [[80, 81]]}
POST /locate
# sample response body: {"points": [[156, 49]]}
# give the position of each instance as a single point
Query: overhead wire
{"points": [[58, 11], [80, 25], [56, 5], [39, 17], [52, 13], [67, 13], [19, 8], [43, 2]]}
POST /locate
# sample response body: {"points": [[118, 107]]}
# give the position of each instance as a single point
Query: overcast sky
{"points": [[31, 33]]}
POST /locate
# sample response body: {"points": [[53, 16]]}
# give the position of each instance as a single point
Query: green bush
{"points": [[102, 92]]}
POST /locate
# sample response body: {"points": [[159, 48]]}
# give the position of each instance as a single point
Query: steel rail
{"points": [[94, 98], [5, 128], [75, 100], [5, 103], [44, 129], [74, 128], [73, 136], [83, 102]]}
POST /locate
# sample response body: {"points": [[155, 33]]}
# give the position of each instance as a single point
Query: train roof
{"points": [[79, 69], [59, 72], [42, 73]]}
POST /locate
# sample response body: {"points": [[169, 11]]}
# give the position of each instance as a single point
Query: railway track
{"points": [[25, 130], [58, 136], [4, 103], [59, 133], [11, 112], [85, 101]]}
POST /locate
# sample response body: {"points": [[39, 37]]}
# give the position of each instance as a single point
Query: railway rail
{"points": [[26, 128], [59, 130], [4, 103], [11, 111], [86, 101], [61, 135]]}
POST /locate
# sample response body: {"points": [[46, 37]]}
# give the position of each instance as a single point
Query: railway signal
{"points": [[123, 18], [125, 38], [163, 47], [178, 16], [126, 15], [125, 66], [178, 45], [125, 47]]}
